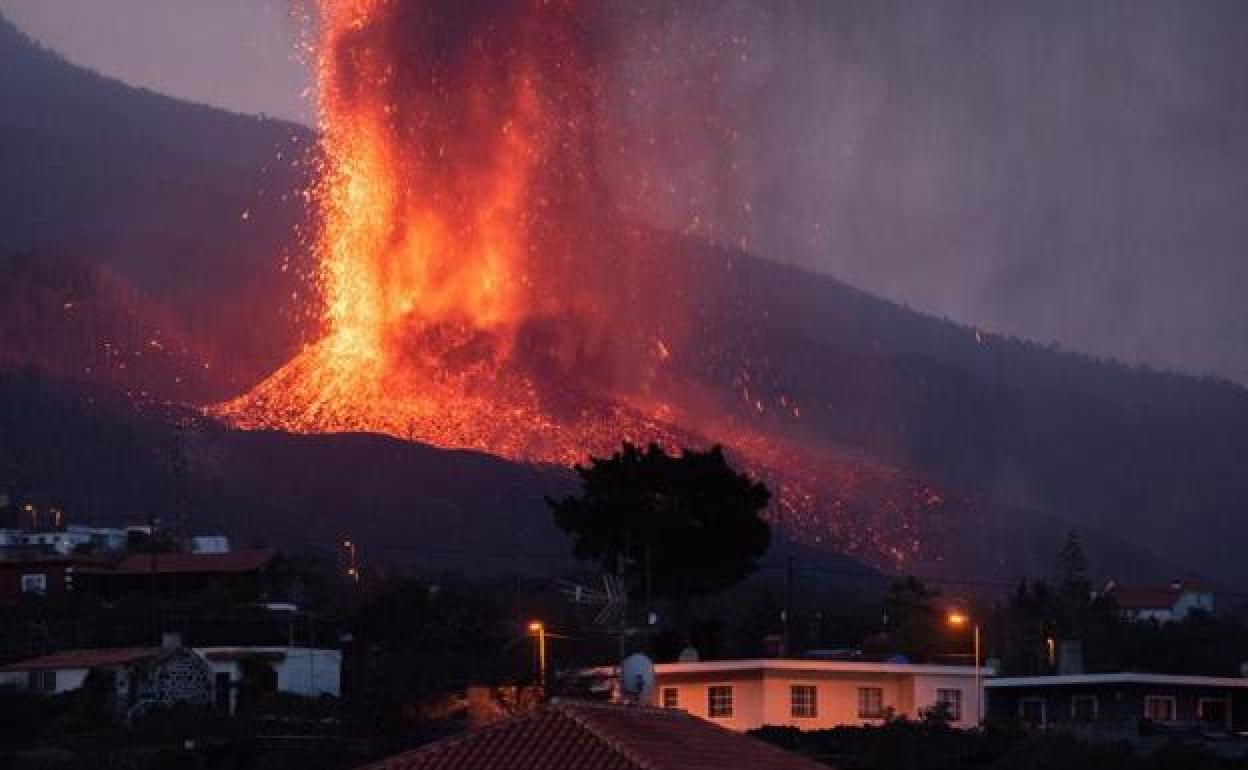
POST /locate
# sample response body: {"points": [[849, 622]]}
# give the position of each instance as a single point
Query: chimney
{"points": [[170, 640]]}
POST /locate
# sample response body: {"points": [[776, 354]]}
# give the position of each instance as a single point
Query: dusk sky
{"points": [[238, 54], [941, 155]]}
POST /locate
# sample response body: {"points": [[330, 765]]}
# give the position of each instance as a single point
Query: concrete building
{"points": [[1120, 702], [816, 694]]}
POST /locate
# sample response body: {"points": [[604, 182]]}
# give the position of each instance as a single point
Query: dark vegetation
{"points": [[152, 192], [931, 745], [676, 527]]}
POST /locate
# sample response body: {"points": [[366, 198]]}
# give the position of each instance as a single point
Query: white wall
{"points": [[926, 685], [300, 671], [764, 697], [66, 679]]}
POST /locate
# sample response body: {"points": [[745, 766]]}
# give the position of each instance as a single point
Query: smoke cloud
{"points": [[1064, 171]]}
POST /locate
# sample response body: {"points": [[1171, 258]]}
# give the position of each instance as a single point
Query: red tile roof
{"points": [[113, 656], [581, 735], [1156, 597], [184, 563]]}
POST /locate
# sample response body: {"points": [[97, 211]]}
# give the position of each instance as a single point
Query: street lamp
{"points": [[959, 619], [539, 630]]}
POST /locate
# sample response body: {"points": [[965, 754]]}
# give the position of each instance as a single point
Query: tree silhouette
{"points": [[1073, 566], [678, 527]]}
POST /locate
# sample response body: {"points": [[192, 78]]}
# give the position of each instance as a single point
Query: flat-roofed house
{"points": [[817, 694], [1120, 701]]}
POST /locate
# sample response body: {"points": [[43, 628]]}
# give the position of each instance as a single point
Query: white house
{"points": [[817, 694], [1161, 604], [306, 671], [220, 672]]}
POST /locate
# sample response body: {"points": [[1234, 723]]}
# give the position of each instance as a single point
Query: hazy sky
{"points": [[1063, 170], [239, 54]]}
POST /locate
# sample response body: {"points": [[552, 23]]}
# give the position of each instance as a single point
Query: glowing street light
{"points": [[539, 630], [960, 619]]}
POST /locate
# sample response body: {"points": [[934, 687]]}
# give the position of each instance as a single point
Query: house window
{"points": [[802, 698], [42, 681], [1032, 711], [719, 702], [671, 698], [1083, 708], [35, 584], [1215, 711], [1159, 708], [870, 703], [951, 700]]}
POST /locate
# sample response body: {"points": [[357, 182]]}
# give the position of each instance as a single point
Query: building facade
{"points": [[130, 681], [1120, 702], [816, 694]]}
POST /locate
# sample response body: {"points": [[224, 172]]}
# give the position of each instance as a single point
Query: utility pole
{"points": [[350, 556], [177, 470], [153, 594], [788, 608]]}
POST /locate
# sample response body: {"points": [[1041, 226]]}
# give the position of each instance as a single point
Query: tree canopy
{"points": [[679, 526]]}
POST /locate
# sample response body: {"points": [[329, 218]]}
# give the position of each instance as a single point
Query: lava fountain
{"points": [[477, 289], [470, 275]]}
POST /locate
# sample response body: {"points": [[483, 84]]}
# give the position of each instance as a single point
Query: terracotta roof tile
{"points": [[183, 563], [578, 735], [1146, 597], [113, 656]]}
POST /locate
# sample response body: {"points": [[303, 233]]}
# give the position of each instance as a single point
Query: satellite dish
{"points": [[637, 678]]}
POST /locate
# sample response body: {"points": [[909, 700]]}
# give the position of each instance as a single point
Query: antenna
{"points": [[637, 679]]}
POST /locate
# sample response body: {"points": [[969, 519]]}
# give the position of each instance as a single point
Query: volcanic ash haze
{"points": [[478, 290]]}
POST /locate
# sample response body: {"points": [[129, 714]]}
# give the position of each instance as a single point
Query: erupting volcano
{"points": [[479, 289], [464, 244]]}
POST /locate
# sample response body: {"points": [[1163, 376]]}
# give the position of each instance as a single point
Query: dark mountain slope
{"points": [[1152, 458], [189, 204], [150, 192], [107, 459]]}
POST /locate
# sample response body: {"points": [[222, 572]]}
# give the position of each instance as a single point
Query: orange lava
{"points": [[454, 197], [476, 293]]}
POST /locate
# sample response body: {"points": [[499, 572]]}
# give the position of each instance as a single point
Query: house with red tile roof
{"points": [[220, 673], [587, 735], [128, 681], [247, 575], [1161, 603]]}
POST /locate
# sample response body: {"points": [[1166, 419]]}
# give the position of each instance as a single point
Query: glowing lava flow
{"points": [[476, 293], [454, 201]]}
